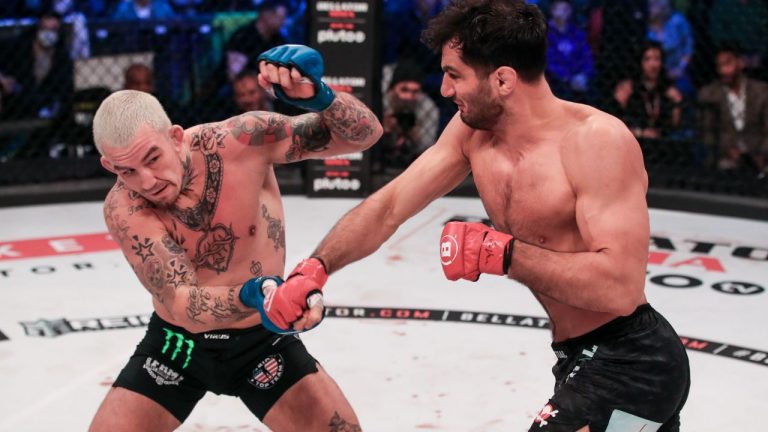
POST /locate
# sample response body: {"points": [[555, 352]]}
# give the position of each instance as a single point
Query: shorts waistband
{"points": [[608, 330], [220, 335]]}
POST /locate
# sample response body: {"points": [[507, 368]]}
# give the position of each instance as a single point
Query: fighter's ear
{"points": [[505, 79], [176, 133], [107, 165]]}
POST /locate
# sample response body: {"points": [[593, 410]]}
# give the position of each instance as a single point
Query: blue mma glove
{"points": [[252, 295], [309, 63]]}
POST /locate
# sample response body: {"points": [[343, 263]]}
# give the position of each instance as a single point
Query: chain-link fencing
{"points": [[686, 77]]}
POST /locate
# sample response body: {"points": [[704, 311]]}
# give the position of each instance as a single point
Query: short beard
{"points": [[485, 110]]}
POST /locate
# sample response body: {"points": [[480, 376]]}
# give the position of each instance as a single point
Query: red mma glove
{"points": [[468, 249]]}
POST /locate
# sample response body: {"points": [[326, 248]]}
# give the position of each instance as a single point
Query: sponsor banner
{"points": [[56, 246], [345, 33], [61, 326]]}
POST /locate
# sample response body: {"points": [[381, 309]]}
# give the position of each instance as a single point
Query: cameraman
{"points": [[410, 118]]}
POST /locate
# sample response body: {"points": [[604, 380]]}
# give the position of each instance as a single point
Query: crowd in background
{"points": [[672, 70]]}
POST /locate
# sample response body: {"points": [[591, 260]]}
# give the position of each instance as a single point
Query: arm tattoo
{"points": [[173, 245], [164, 267], [118, 227], [310, 134], [143, 249], [179, 274], [209, 138], [349, 118], [153, 274], [259, 128], [338, 424]]}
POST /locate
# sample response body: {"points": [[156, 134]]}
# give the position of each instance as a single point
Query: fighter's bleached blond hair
{"points": [[122, 113]]}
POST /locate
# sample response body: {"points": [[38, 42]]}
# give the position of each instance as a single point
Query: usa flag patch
{"points": [[267, 372]]}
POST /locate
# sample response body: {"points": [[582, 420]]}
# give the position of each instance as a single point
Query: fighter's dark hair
{"points": [[493, 33]]}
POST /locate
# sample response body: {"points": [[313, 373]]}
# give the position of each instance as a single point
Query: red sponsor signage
{"points": [[55, 246]]}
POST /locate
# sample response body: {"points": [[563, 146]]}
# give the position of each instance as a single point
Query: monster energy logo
{"points": [[180, 341]]}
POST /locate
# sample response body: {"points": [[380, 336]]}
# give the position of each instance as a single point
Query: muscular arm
{"points": [[605, 168], [366, 227], [346, 126], [166, 271]]}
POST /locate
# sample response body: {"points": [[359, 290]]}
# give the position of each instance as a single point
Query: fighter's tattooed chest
{"points": [[215, 244]]}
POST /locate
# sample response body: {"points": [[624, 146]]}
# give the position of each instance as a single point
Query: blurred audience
{"points": [[143, 9], [256, 37], [139, 76], [209, 6], [410, 118], [248, 95], [80, 46], [569, 59], [187, 7], [743, 23], [591, 57], [39, 81], [12, 8], [673, 32], [734, 115], [624, 28], [404, 21], [649, 103]]}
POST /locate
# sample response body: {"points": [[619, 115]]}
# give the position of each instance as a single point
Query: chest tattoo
{"points": [[275, 230], [215, 248], [216, 245], [198, 217], [256, 268]]}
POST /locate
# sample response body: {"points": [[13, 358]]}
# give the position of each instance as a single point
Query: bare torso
{"points": [[526, 193], [229, 220]]}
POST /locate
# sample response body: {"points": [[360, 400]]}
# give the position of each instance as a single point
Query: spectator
{"points": [[737, 130], [143, 9], [248, 95], [743, 23], [254, 38], [8, 86], [80, 46], [240, 52], [410, 118], [624, 27], [569, 59], [673, 32], [649, 104], [701, 69], [404, 21], [139, 77], [40, 76], [94, 8]]}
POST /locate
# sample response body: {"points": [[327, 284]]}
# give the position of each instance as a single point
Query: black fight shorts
{"points": [[630, 374], [175, 368]]}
